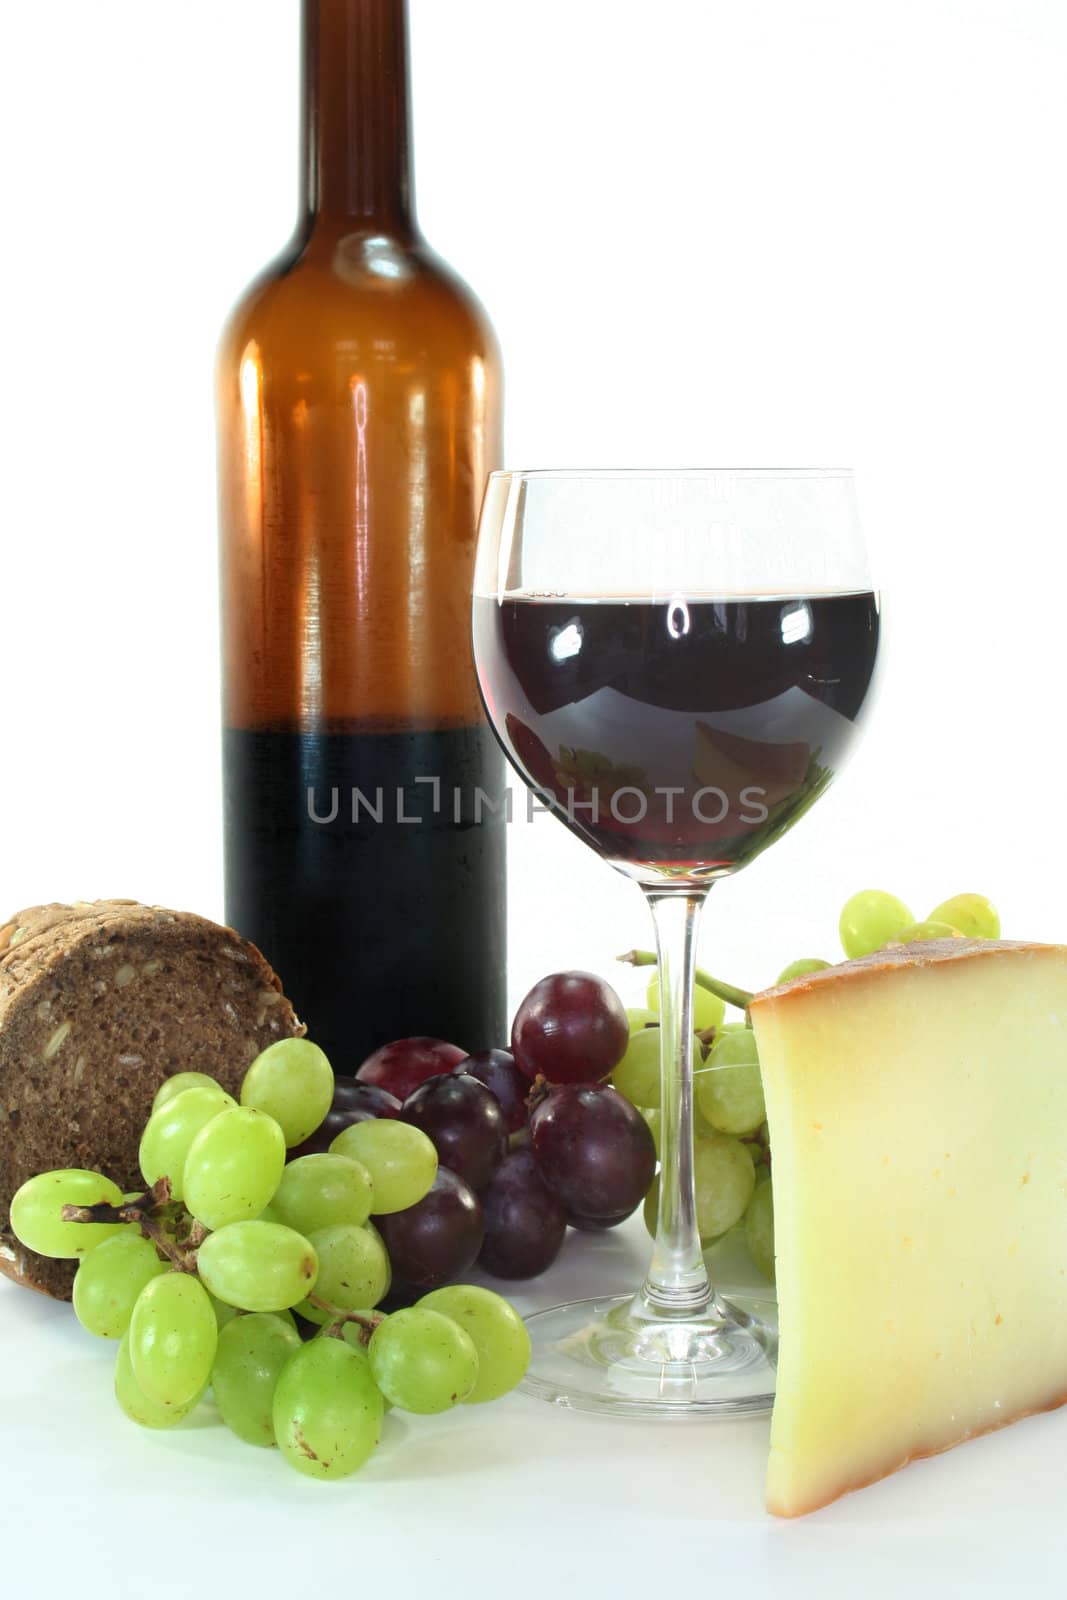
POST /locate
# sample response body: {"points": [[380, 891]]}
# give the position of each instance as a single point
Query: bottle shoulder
{"points": [[357, 288]]}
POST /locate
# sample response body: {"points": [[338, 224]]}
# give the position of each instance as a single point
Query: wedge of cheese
{"points": [[917, 1103]]}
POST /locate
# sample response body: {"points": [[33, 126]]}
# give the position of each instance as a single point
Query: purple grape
{"points": [[405, 1063], [597, 1224], [439, 1238], [349, 1094], [524, 1221], [594, 1149], [498, 1071], [571, 1028], [465, 1124], [352, 1102]]}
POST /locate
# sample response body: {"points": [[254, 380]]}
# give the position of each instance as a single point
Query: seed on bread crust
{"points": [[57, 1040]]}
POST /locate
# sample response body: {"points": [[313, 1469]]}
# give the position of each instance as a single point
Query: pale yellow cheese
{"points": [[917, 1104]]}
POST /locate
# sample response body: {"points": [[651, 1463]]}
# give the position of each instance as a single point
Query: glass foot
{"points": [[610, 1355]]}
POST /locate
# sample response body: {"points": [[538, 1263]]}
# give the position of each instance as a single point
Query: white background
{"points": [[783, 232]]}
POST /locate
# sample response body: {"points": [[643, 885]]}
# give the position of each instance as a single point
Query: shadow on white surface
{"points": [[514, 1499]]}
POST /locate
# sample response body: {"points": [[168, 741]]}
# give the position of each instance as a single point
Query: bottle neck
{"points": [[356, 156]]}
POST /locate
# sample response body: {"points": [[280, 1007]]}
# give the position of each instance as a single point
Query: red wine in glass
{"points": [[678, 737]]}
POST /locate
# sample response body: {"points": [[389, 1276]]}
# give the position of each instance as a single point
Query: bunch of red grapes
{"points": [[529, 1140]]}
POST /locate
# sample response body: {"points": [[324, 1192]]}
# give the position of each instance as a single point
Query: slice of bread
{"points": [[98, 1004]]}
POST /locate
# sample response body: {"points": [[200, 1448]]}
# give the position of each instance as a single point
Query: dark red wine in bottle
{"points": [[359, 413], [679, 737]]}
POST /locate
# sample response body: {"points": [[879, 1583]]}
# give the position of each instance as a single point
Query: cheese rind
{"points": [[917, 1103]]}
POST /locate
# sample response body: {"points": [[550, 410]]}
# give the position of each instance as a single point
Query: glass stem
{"points": [[677, 1282]]}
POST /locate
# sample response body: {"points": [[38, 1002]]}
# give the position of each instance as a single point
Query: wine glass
{"points": [[677, 663]]}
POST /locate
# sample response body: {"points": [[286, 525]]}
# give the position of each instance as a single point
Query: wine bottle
{"points": [[359, 412]]}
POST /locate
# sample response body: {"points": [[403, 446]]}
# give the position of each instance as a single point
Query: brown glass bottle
{"points": [[359, 413]]}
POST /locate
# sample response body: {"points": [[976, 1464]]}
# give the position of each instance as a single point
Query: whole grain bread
{"points": [[99, 1003]]}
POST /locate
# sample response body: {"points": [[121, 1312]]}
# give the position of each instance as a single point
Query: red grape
{"points": [[594, 1149], [352, 1102], [571, 1028], [497, 1070], [401, 1066], [439, 1238], [597, 1224], [465, 1124], [349, 1094], [524, 1221]]}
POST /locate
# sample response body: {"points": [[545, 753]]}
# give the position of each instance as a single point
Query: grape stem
{"points": [[540, 1091], [741, 998], [145, 1211], [334, 1329]]}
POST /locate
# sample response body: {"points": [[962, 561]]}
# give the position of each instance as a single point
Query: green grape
{"points": [[724, 1183], [801, 969], [728, 1087], [369, 1227], [327, 1411], [292, 1081], [423, 1361], [972, 914], [258, 1266], [496, 1330], [268, 1214], [708, 1009], [725, 1179], [640, 1017], [319, 1191], [248, 1362], [233, 1167], [36, 1213], [109, 1281], [400, 1159], [869, 920], [354, 1336], [223, 1313], [170, 1132], [637, 1075], [354, 1270], [702, 1128], [173, 1334], [136, 1404], [171, 1088], [654, 1117], [917, 932], [759, 1228]]}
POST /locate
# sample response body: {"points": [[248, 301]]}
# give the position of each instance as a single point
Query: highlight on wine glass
{"points": [[678, 663]]}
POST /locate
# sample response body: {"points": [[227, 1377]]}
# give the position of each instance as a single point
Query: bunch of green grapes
{"points": [[874, 920], [731, 1142], [731, 1153], [197, 1279]]}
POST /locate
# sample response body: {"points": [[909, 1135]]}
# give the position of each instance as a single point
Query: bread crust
{"points": [[99, 1003]]}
